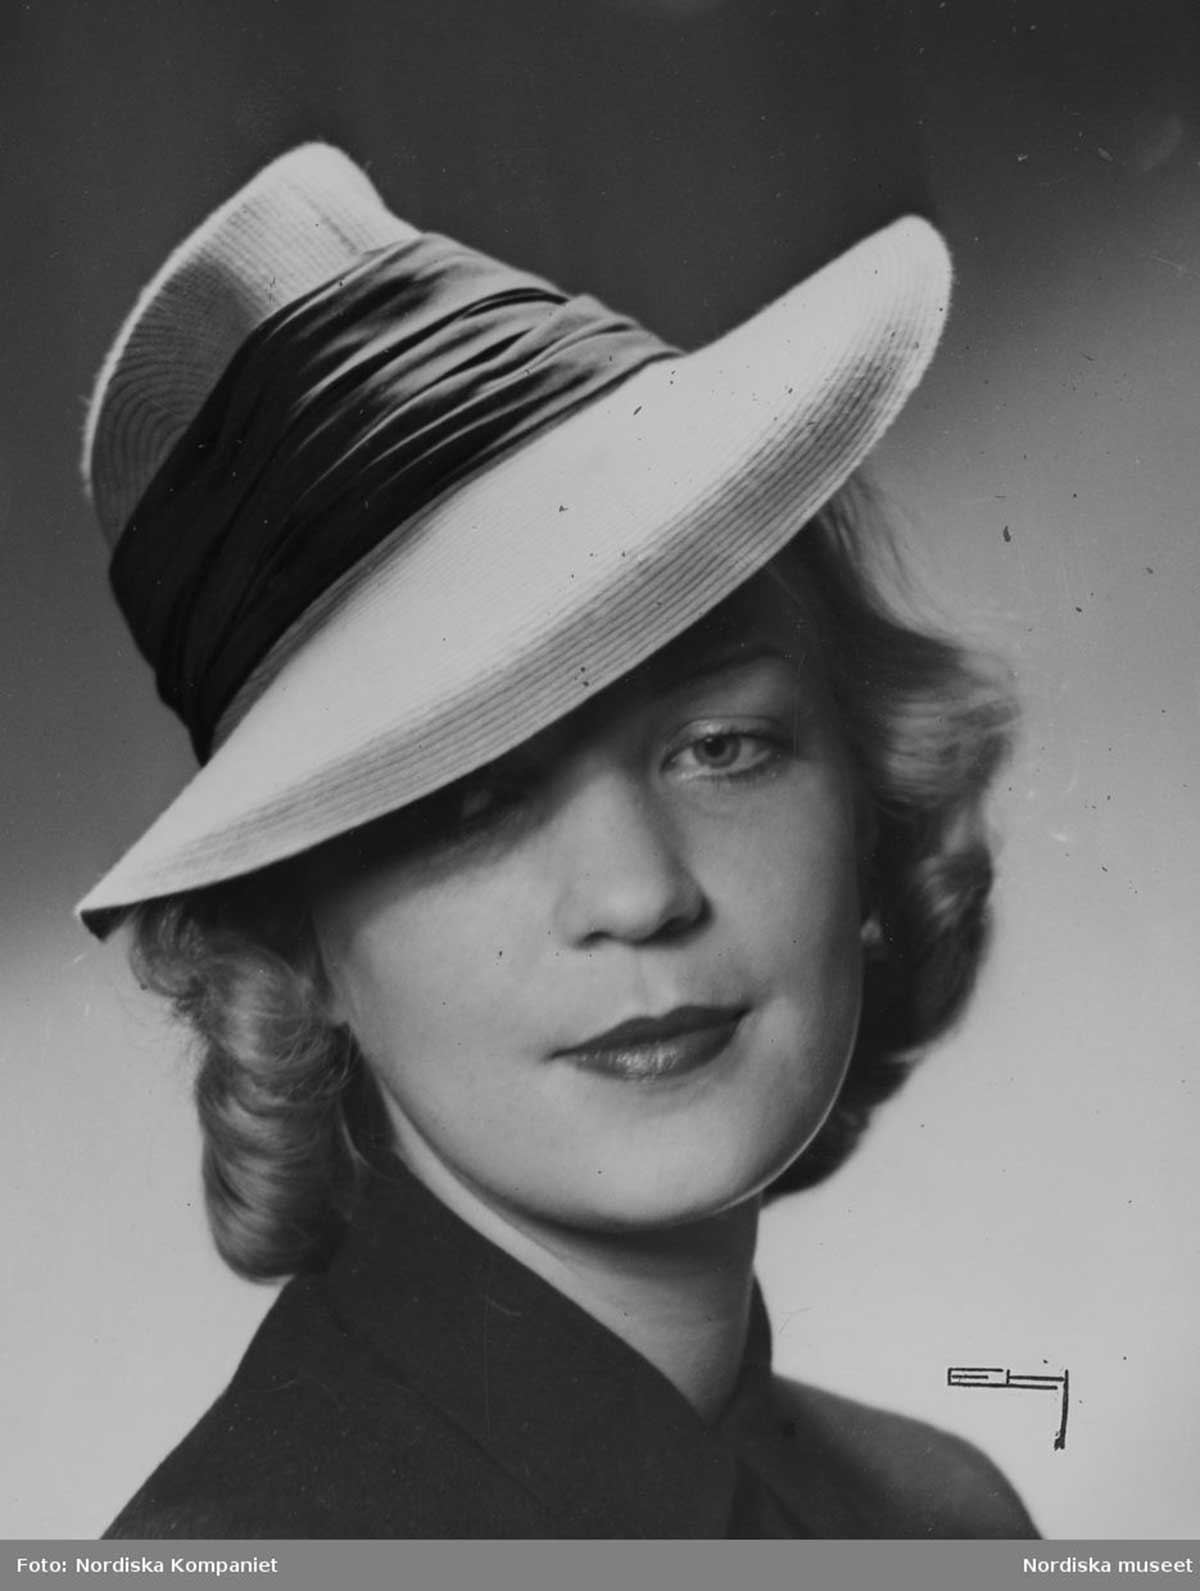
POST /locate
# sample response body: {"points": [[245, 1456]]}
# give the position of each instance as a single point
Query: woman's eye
{"points": [[719, 751], [479, 802], [727, 751], [474, 809]]}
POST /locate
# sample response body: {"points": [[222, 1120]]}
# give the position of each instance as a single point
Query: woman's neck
{"points": [[680, 1297]]}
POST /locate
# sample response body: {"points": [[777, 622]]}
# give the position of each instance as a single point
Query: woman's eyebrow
{"points": [[673, 673], [669, 672]]}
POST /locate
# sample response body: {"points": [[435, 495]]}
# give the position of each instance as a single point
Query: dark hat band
{"points": [[337, 420]]}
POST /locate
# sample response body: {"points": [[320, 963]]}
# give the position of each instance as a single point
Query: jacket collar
{"points": [[605, 1442]]}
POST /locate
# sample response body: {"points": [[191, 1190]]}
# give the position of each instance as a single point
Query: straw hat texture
{"points": [[534, 561]]}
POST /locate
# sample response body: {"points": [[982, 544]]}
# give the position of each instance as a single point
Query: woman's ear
{"points": [[335, 1007], [870, 904], [866, 839]]}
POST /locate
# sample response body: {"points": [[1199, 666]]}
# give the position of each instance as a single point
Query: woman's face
{"points": [[612, 981]]}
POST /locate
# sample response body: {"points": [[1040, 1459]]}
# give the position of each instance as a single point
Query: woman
{"points": [[581, 850]]}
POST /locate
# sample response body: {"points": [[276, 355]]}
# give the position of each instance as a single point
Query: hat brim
{"points": [[515, 597]]}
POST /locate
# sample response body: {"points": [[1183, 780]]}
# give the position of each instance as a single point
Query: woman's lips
{"points": [[648, 1048]]}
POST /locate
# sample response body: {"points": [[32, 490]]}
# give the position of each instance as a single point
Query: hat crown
{"points": [[443, 626], [301, 221]]}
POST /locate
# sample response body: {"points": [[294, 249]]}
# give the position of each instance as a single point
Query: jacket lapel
{"points": [[594, 1431]]}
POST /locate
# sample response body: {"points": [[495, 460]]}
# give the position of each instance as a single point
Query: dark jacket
{"points": [[427, 1385]]}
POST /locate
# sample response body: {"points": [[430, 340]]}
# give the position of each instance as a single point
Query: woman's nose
{"points": [[622, 870]]}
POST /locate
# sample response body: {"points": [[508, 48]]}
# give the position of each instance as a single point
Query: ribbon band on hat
{"points": [[340, 417], [384, 508]]}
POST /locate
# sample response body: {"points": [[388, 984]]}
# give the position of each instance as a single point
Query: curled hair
{"points": [[291, 1115], [928, 722]]}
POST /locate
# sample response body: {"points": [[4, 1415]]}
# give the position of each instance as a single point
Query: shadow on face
{"points": [[613, 978]]}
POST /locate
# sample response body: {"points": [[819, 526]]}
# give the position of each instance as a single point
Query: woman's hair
{"points": [[928, 722], [291, 1115]]}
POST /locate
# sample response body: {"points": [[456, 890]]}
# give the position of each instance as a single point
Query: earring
{"points": [[871, 937]]}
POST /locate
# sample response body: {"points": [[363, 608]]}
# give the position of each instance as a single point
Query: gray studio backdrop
{"points": [[1029, 1202]]}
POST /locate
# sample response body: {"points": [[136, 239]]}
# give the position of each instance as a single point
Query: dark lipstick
{"points": [[646, 1048]]}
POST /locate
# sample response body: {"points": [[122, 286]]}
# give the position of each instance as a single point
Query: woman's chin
{"points": [[632, 1197]]}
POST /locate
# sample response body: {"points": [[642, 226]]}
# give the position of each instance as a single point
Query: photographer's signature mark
{"points": [[991, 1376]]}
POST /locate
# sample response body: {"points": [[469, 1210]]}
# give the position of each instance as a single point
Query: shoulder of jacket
{"points": [[312, 1437], [925, 1481]]}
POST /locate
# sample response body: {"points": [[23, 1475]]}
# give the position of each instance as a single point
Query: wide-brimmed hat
{"points": [[382, 508]]}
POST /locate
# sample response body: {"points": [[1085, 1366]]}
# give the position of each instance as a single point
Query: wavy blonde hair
{"points": [[291, 1116]]}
